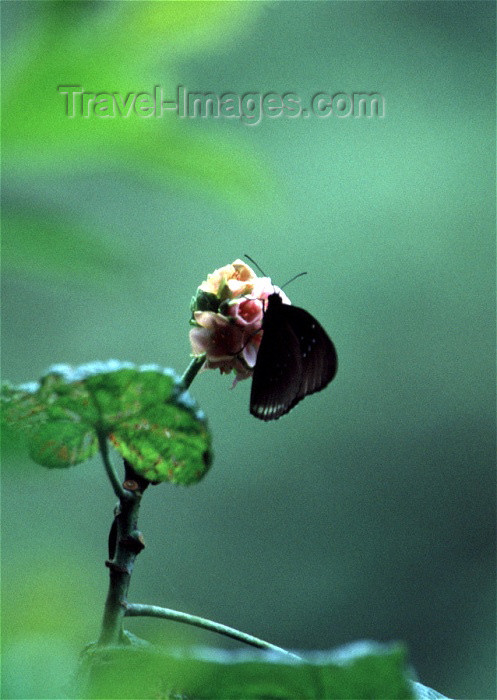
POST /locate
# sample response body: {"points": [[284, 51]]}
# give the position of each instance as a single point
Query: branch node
{"points": [[130, 485], [134, 542], [117, 568]]}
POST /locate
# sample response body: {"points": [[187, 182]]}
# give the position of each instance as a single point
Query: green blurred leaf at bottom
{"points": [[362, 670], [144, 411]]}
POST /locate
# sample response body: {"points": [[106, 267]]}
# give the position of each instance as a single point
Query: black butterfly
{"points": [[295, 358]]}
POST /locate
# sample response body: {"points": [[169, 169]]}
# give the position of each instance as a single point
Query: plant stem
{"points": [[136, 610], [125, 543], [192, 370], [109, 467]]}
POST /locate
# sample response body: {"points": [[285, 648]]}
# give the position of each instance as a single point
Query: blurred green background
{"points": [[368, 511]]}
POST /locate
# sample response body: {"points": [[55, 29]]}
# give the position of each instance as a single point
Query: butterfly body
{"points": [[296, 358]]}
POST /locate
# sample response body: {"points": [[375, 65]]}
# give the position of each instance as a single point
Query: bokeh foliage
{"points": [[359, 672], [105, 47]]}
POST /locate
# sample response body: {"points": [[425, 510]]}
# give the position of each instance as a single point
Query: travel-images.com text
{"points": [[250, 108]]}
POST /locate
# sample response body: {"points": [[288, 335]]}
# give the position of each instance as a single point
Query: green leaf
{"points": [[362, 670], [204, 301], [121, 48], [143, 411]]}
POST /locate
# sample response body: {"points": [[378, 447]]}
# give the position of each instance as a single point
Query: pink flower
{"points": [[228, 310]]}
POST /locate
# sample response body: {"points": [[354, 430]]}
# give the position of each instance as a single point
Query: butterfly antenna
{"points": [[257, 266], [301, 274]]}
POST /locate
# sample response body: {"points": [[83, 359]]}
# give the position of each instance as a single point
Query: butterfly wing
{"points": [[317, 352], [277, 372], [296, 358]]}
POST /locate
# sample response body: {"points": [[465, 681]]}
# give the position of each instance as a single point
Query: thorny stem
{"points": [[137, 610]]}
